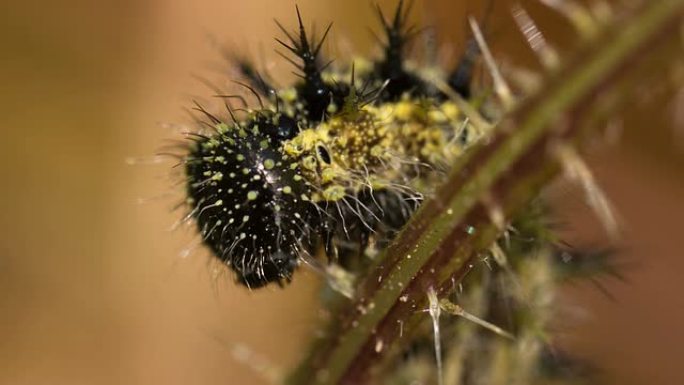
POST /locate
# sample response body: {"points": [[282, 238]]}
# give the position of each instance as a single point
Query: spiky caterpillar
{"points": [[338, 161], [515, 294]]}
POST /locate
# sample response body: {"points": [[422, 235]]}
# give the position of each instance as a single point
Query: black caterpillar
{"points": [[338, 162]]}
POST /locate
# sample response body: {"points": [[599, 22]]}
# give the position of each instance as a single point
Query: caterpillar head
{"points": [[250, 204]]}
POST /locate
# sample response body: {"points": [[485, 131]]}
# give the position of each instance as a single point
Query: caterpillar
{"points": [[337, 162]]}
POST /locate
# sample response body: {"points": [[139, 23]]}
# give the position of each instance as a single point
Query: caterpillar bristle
{"points": [[314, 92], [248, 72], [460, 78], [392, 66]]}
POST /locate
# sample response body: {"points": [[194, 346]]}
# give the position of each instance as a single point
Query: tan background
{"points": [[92, 287]]}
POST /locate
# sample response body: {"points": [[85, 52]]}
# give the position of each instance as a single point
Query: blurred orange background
{"points": [[93, 287]]}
